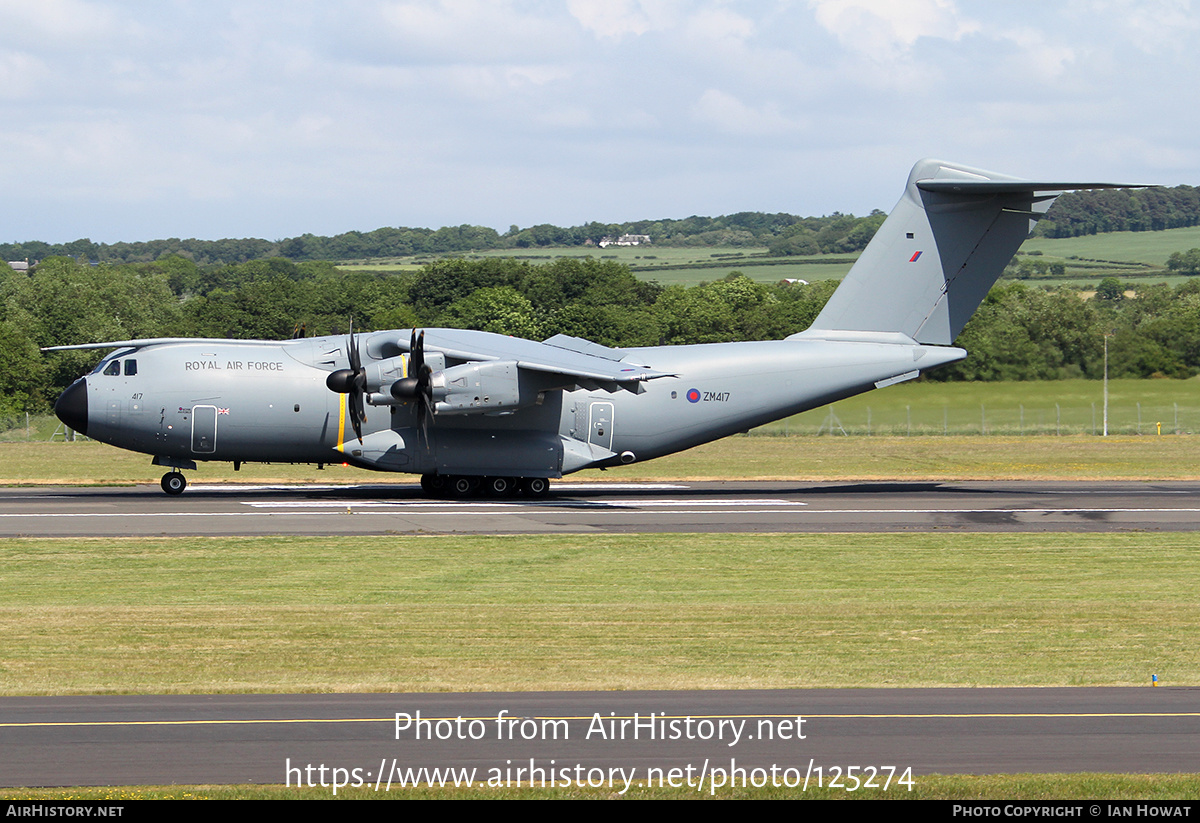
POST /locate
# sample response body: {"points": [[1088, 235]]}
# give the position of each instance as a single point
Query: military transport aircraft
{"points": [[474, 412]]}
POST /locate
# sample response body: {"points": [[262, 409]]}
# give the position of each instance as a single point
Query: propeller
{"points": [[419, 385], [352, 381]]}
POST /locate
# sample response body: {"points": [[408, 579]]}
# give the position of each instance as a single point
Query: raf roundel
{"points": [[693, 395]]}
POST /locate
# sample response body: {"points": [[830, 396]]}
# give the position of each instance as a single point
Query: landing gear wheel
{"points": [[173, 483], [463, 486], [500, 486], [535, 486], [434, 485]]}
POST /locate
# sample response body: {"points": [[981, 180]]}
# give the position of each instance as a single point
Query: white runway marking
{"points": [[500, 504], [783, 507]]}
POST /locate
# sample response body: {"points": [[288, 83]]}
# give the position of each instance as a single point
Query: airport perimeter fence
{"points": [[29, 427], [855, 419], [18, 427]]}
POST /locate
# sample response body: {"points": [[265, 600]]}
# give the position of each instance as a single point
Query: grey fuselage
{"points": [[263, 401]]}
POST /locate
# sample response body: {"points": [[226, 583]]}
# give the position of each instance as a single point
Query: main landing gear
{"points": [[173, 482], [462, 486]]}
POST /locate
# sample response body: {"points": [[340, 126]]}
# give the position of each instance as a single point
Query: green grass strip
{"points": [[200, 615]]}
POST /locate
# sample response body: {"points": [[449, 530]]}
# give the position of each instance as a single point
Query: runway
{"points": [[601, 507], [130, 740], [795, 735]]}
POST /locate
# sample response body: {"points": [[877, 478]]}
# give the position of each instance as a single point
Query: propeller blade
{"points": [[352, 382], [422, 387], [352, 345], [357, 413]]}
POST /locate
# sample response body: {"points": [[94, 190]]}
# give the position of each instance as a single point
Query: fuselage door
{"points": [[600, 424], [204, 429]]}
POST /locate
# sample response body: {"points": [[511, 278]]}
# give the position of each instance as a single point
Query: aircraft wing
{"points": [[579, 360], [143, 342]]}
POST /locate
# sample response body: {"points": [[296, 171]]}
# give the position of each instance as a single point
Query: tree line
{"points": [[1093, 212], [1073, 214], [1019, 333]]}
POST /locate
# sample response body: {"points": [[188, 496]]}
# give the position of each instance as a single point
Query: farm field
{"points": [[665, 265], [1135, 256], [1149, 247]]}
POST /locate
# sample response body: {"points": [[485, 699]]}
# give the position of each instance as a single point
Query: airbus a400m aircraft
{"points": [[473, 411]]}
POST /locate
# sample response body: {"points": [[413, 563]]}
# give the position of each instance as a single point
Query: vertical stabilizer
{"points": [[933, 260]]}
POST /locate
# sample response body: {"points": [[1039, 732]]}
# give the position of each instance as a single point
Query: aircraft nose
{"points": [[72, 406]]}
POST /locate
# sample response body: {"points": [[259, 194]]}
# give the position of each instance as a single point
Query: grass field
{"points": [[796, 458], [1033, 407], [1148, 247], [202, 615], [1133, 256], [665, 265]]}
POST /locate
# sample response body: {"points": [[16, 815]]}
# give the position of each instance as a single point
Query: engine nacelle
{"points": [[469, 388], [493, 385], [383, 374]]}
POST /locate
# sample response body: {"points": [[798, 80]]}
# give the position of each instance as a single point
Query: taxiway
{"points": [[223, 739]]}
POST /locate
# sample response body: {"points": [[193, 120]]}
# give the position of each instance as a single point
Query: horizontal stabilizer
{"points": [[1010, 186]]}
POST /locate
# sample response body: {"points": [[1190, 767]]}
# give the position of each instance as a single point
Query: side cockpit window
{"points": [[113, 367]]}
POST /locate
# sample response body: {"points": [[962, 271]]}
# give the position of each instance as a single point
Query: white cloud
{"points": [[730, 115], [63, 22], [21, 75], [1148, 25], [884, 29], [472, 31], [615, 19]]}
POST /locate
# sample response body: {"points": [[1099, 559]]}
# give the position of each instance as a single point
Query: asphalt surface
{"points": [[884, 733], [662, 507], [126, 740]]}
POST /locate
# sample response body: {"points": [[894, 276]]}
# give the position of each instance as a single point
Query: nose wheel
{"points": [[173, 483]]}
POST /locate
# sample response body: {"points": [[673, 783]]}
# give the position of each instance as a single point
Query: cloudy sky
{"points": [[133, 120]]}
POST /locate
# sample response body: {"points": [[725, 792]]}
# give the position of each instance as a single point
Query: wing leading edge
{"points": [[598, 365]]}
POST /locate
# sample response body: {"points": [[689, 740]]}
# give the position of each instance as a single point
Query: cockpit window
{"points": [[113, 368], [130, 367]]}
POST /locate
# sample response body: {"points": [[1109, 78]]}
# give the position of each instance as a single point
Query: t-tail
{"points": [[933, 260]]}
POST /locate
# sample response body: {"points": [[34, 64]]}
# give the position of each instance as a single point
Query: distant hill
{"points": [[1074, 214]]}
